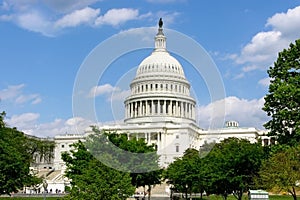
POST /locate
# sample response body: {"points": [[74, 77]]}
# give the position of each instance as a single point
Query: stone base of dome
{"points": [[158, 119]]}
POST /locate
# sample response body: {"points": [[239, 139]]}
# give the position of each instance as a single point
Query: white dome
{"points": [[160, 62], [160, 91]]}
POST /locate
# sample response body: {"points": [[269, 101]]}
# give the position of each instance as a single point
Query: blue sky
{"points": [[43, 44]]}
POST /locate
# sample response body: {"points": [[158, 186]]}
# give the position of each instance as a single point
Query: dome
{"points": [[160, 92], [160, 62]]}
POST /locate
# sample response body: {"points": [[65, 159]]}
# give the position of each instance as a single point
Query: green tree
{"points": [[232, 166], [15, 158], [135, 156], [282, 102], [91, 179], [281, 171], [186, 173]]}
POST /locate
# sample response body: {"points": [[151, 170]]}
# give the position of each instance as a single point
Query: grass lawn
{"points": [[30, 198], [212, 197], [245, 197]]}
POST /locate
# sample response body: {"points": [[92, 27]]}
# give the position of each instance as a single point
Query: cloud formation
{"points": [[110, 92], [16, 94], [248, 113], [165, 1], [115, 17], [261, 52], [86, 15], [50, 17], [29, 124]]}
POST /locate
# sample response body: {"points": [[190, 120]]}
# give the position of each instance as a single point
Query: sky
{"points": [[45, 45]]}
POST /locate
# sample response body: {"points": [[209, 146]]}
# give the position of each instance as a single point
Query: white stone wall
{"points": [[62, 144]]}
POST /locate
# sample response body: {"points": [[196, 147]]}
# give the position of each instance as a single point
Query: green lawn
{"points": [[29, 198], [212, 197], [245, 197]]}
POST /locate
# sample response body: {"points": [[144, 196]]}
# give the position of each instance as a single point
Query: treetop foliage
{"points": [[282, 102], [281, 171], [16, 156]]}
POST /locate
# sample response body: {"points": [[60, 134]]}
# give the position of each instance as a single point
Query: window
{"points": [[177, 136], [62, 146], [177, 148], [266, 142]]}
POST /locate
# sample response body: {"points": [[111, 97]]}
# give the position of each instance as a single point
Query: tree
{"points": [[91, 179], [282, 171], [232, 166], [186, 173], [135, 156], [282, 102], [16, 151]]}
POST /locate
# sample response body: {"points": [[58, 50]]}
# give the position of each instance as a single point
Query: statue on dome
{"points": [[160, 23]]}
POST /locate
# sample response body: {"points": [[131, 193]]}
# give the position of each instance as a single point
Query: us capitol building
{"points": [[161, 110]]}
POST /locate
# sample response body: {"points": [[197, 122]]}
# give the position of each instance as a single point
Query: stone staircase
{"points": [[158, 192]]}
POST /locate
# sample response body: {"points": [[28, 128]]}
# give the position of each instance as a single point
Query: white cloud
{"points": [[250, 68], [15, 93], [68, 5], [262, 51], [119, 95], [101, 89], [287, 23], [165, 1], [29, 124], [11, 91], [75, 125], [33, 98], [50, 17], [33, 20], [4, 6], [248, 113], [84, 16], [110, 92], [24, 120], [264, 82], [116, 17]]}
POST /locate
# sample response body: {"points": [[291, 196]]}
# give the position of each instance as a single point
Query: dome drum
{"points": [[167, 109], [166, 87]]}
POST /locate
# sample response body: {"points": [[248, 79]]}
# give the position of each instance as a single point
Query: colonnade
{"points": [[174, 108], [160, 87]]}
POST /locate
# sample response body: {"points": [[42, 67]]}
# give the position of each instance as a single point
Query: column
{"points": [[152, 107], [131, 109], [173, 108], [126, 110], [186, 110], [143, 108], [158, 105], [135, 109], [164, 107], [147, 107], [139, 108], [193, 112]]}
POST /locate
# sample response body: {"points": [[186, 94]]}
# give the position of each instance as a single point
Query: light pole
{"points": [[186, 191], [45, 185], [171, 191]]}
